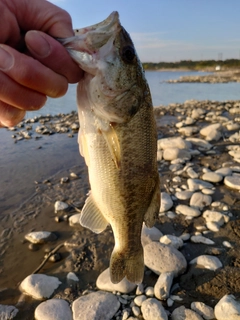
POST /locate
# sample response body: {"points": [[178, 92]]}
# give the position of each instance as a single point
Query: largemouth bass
{"points": [[118, 140]]}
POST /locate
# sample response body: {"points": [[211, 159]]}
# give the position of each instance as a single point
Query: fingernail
{"points": [[6, 59], [37, 44]]}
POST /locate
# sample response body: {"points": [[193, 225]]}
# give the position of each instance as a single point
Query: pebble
{"points": [[174, 241], [152, 309], [7, 312], [213, 216], [177, 142], [227, 244], [200, 143], [208, 262], [72, 276], [207, 130], [140, 289], [150, 234], [224, 171], [163, 285], [136, 311], [201, 239], [60, 206], [174, 153], [149, 291], [184, 195], [95, 305], [39, 286], [187, 211], [200, 200], [207, 191], [161, 258], [104, 283], [38, 237], [185, 236], [228, 308], [205, 311], [212, 177], [182, 313], [57, 309], [232, 182], [139, 300], [74, 220], [166, 202], [213, 226], [197, 184]]}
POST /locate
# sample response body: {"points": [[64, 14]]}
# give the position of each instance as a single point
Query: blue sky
{"points": [[169, 30]]}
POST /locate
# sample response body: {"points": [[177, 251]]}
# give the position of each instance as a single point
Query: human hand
{"points": [[33, 65]]}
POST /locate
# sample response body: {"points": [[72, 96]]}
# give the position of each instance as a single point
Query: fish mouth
{"points": [[85, 46]]}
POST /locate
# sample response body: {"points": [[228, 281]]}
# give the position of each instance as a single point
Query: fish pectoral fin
{"points": [[151, 215], [112, 141], [91, 217]]}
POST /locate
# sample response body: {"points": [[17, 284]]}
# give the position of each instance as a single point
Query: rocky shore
{"points": [[215, 77], [191, 256]]}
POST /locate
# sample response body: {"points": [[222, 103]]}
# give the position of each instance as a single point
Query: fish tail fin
{"points": [[131, 267]]}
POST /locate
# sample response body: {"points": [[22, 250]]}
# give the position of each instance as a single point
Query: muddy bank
{"points": [[87, 254]]}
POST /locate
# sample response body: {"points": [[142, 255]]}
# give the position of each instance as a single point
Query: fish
{"points": [[118, 140]]}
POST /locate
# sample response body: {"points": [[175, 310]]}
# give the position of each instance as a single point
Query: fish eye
{"points": [[128, 54]]}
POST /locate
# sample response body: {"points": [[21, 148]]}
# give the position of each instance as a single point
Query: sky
{"points": [[169, 30]]}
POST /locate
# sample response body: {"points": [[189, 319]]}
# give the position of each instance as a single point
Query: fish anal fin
{"points": [[131, 267], [151, 215], [112, 141], [91, 217]]}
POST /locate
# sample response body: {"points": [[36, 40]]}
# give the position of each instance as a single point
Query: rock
{"points": [[227, 308], [224, 171], [95, 305], [150, 234], [174, 241], [60, 206], [191, 173], [184, 195], [104, 283], [188, 131], [39, 286], [212, 177], [197, 184], [206, 131], [201, 239], [200, 200], [74, 220], [213, 216], [40, 237], [205, 311], [166, 202], [136, 311], [140, 289], [174, 153], [182, 313], [200, 143], [187, 211], [208, 262], [177, 142], [163, 285], [161, 258], [7, 312], [57, 309], [72, 276], [139, 300], [152, 309], [232, 182], [149, 291]]}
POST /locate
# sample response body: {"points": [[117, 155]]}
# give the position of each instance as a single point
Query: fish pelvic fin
{"points": [[91, 217], [151, 215], [130, 267]]}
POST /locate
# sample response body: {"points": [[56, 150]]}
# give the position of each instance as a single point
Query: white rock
{"points": [[170, 302], [174, 153], [163, 285], [57, 309], [139, 300], [95, 305], [205, 311], [72, 276], [214, 135], [188, 131], [215, 216], [206, 131], [7, 312], [40, 236], [150, 234], [149, 291], [60, 206], [74, 220], [182, 313], [201, 239], [200, 200], [159, 155], [213, 226], [228, 308], [208, 262], [200, 143], [224, 171], [39, 286], [184, 195], [166, 202], [136, 311], [187, 211], [171, 215], [227, 244], [185, 236], [174, 241], [212, 177], [232, 182], [192, 174], [152, 309], [197, 184], [177, 142], [207, 191], [161, 258], [104, 283]]}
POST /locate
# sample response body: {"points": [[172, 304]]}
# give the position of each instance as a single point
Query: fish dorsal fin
{"points": [[83, 147], [91, 217], [112, 141], [153, 210]]}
